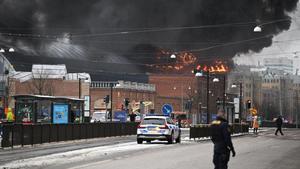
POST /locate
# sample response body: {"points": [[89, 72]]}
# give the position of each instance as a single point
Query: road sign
{"points": [[167, 109], [236, 102]]}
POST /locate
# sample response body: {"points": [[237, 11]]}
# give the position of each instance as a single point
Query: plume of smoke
{"points": [[54, 17]]}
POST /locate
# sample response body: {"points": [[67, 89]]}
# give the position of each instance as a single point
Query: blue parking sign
{"points": [[167, 109]]}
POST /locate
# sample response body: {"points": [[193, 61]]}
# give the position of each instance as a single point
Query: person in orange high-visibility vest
{"points": [[255, 125]]}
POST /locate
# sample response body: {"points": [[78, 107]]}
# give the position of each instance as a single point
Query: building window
{"points": [[44, 112], [24, 113]]}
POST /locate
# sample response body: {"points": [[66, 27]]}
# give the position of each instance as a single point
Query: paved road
{"points": [[265, 151], [19, 153]]}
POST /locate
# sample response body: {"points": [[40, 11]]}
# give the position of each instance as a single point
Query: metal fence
{"points": [[199, 131], [273, 124], [20, 134]]}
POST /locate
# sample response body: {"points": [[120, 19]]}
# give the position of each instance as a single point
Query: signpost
{"points": [[167, 109], [121, 115], [237, 110]]}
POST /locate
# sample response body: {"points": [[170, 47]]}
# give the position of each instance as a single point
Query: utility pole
{"points": [[79, 88], [181, 97], [207, 98], [297, 110], [280, 97], [241, 97], [224, 94]]}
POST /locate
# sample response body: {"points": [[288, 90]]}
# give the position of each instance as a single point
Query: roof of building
{"points": [[49, 72], [46, 97], [98, 71]]}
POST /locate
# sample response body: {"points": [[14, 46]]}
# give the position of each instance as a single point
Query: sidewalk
{"points": [[8, 154]]}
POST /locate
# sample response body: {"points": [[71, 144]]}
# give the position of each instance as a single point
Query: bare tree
{"points": [[41, 84]]}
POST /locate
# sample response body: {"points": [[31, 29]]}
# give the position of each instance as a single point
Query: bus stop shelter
{"points": [[48, 109]]}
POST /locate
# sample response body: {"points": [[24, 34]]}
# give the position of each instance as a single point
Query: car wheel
{"points": [[178, 139], [171, 139], [139, 141]]}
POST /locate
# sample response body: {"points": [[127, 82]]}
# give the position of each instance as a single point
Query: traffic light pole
{"points": [[106, 115], [111, 101]]}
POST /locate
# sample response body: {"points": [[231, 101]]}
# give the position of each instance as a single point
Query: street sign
{"points": [[121, 116], [236, 116], [236, 102], [213, 116], [249, 118], [167, 109]]}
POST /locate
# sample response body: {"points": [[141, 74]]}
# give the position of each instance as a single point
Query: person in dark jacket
{"points": [[279, 123], [132, 117], [221, 138]]}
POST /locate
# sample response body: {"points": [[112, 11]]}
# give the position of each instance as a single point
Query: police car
{"points": [[155, 127]]}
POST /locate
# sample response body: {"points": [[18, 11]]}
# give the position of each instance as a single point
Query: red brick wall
{"points": [[172, 89], [172, 85], [59, 88], [97, 94]]}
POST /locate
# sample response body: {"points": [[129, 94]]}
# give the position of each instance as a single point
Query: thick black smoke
{"points": [[102, 18]]}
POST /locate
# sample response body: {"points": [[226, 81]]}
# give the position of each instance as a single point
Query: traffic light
{"points": [[248, 104], [126, 100], [106, 99]]}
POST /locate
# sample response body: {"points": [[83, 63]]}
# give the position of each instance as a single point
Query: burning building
{"points": [[115, 40]]}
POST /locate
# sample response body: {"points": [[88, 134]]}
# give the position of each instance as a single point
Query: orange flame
{"points": [[183, 61], [219, 67]]}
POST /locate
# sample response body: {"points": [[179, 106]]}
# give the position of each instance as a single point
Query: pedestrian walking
{"points": [[221, 137], [179, 122], [279, 123], [132, 117], [255, 125]]}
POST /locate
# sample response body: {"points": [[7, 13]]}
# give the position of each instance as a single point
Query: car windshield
{"points": [[156, 121]]}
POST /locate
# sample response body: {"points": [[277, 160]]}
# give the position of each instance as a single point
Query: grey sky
{"points": [[286, 44]]}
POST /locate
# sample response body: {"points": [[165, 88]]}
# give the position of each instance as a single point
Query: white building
{"points": [[283, 63]]}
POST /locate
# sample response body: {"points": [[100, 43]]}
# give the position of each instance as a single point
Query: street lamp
{"points": [[216, 80], [2, 50], [258, 28], [173, 56], [11, 50]]}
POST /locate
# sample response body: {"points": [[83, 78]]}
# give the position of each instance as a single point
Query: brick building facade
{"points": [[178, 90], [134, 92], [173, 89]]}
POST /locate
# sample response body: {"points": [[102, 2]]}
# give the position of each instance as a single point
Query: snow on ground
{"points": [[76, 155], [208, 138]]}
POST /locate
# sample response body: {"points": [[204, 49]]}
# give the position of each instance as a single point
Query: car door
{"points": [[173, 126]]}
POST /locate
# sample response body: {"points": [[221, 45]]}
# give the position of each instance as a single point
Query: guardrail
{"points": [[23, 134], [203, 130]]}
